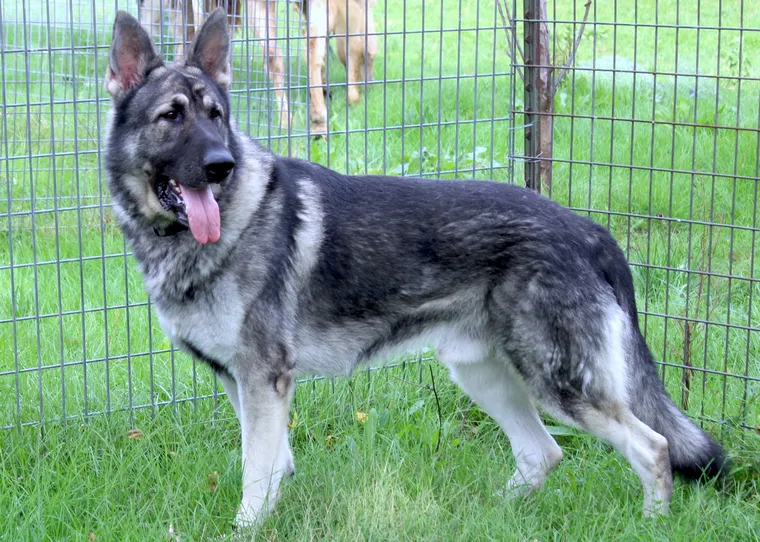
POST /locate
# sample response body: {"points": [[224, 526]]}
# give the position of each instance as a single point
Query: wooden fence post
{"points": [[539, 97]]}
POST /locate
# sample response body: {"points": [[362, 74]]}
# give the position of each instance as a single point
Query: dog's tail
{"points": [[693, 453]]}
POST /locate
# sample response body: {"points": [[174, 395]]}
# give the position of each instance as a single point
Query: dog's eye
{"points": [[214, 114], [170, 115]]}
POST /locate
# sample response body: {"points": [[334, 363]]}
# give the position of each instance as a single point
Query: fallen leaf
{"points": [[213, 481], [362, 417], [294, 420], [134, 434], [91, 537]]}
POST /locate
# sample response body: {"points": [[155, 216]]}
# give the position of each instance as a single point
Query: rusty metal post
{"points": [[538, 97]]}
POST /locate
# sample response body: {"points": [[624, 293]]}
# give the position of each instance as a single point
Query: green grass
{"points": [[384, 479]]}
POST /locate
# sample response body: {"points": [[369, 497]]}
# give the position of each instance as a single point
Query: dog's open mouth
{"points": [[170, 198], [195, 208]]}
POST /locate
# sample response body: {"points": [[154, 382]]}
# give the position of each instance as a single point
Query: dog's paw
{"points": [[353, 95], [655, 508], [517, 488], [249, 517], [319, 129], [512, 493]]}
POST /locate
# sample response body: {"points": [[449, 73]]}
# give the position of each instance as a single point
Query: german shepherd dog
{"points": [[350, 21], [267, 268]]}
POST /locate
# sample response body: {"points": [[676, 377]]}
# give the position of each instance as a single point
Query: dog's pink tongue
{"points": [[203, 214]]}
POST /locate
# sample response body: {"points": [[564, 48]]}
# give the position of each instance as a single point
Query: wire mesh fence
{"points": [[655, 118], [77, 333], [656, 134]]}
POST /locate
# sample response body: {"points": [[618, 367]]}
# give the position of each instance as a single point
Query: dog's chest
{"points": [[209, 322]]}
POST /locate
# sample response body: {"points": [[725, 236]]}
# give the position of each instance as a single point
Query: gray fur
{"points": [[527, 303]]}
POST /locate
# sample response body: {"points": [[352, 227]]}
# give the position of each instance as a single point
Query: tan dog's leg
{"points": [[262, 16], [151, 19], [354, 68], [362, 46], [182, 24], [352, 48], [318, 31], [150, 15], [371, 44]]}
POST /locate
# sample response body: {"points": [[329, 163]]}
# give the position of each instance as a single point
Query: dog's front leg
{"points": [[264, 402]]}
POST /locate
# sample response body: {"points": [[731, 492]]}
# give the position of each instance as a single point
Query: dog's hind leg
{"points": [[583, 382], [646, 451], [601, 407], [494, 386]]}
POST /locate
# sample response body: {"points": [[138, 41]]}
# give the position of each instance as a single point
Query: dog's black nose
{"points": [[218, 164]]}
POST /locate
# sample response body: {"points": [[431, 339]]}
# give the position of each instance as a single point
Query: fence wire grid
{"points": [[655, 116], [656, 134], [77, 333]]}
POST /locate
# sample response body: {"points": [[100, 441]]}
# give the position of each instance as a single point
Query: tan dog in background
{"points": [[352, 25], [262, 18], [349, 21]]}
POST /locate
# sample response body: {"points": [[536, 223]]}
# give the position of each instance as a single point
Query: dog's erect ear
{"points": [[132, 55], [210, 50]]}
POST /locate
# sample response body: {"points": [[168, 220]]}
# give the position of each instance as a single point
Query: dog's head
{"points": [[170, 154]]}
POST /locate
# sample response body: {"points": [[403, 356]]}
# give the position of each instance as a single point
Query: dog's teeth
{"points": [[176, 189], [173, 182]]}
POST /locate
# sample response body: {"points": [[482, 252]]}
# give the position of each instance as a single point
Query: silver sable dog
{"points": [[266, 268]]}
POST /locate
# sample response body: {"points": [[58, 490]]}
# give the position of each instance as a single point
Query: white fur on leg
{"points": [[650, 459], [502, 395], [613, 421], [266, 453], [645, 450]]}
